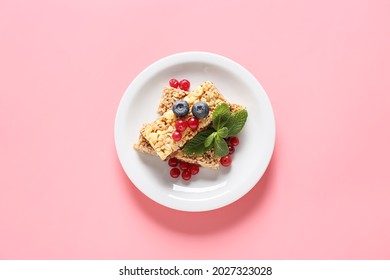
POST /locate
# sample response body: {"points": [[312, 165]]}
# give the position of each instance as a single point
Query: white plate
{"points": [[209, 189]]}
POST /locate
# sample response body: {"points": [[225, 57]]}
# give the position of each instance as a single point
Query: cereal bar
{"points": [[170, 95], [159, 132]]}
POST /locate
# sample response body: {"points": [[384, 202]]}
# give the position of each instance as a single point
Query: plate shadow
{"points": [[208, 222]]}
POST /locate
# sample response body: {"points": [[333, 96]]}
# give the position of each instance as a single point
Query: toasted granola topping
{"points": [[169, 97], [208, 159]]}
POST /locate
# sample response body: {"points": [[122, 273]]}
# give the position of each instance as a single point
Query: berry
{"points": [[200, 110], [184, 165], [175, 172], [174, 83], [234, 141], [184, 84], [181, 125], [176, 136], [186, 175], [226, 160], [194, 169], [231, 149], [181, 108], [173, 162], [193, 123]]}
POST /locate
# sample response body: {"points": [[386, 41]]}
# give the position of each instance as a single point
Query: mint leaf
{"points": [[210, 139], [220, 147], [221, 115], [236, 122], [196, 145], [223, 132], [225, 124]]}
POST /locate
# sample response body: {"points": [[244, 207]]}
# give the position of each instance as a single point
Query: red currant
{"points": [[181, 125], [186, 175], [173, 162], [176, 136], [175, 172], [193, 123], [231, 149], [184, 84], [174, 83], [194, 169], [234, 141], [226, 160], [184, 165]]}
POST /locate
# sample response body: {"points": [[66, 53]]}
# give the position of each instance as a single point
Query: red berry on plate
{"points": [[226, 160], [174, 83], [193, 123], [181, 125], [186, 175], [231, 149], [194, 169], [234, 141], [173, 162], [184, 84], [184, 165], [176, 136], [175, 172]]}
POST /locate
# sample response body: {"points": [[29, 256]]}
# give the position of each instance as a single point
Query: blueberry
{"points": [[180, 108], [200, 110]]}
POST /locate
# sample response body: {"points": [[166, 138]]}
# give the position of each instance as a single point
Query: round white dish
{"points": [[209, 189]]}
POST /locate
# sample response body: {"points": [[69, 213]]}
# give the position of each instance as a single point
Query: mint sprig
{"points": [[210, 140], [220, 147], [236, 122], [196, 146], [223, 132], [221, 116], [225, 124]]}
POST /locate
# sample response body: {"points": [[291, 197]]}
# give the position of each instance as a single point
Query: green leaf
{"points": [[223, 132], [196, 146], [210, 139], [220, 147], [236, 122], [221, 115]]}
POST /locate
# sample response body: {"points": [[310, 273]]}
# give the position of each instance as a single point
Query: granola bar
{"points": [[207, 159], [159, 132], [143, 145], [170, 95]]}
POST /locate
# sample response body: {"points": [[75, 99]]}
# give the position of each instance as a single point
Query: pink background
{"points": [[64, 66]]}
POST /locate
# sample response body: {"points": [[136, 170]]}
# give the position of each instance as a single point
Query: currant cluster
{"points": [[182, 124], [186, 169], [181, 109], [232, 143], [183, 84]]}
